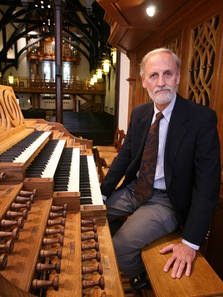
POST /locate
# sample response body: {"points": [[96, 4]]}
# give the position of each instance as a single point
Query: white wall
{"points": [[109, 105], [123, 92]]}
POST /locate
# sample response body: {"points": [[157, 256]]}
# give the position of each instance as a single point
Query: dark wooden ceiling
{"points": [[83, 26], [130, 25]]}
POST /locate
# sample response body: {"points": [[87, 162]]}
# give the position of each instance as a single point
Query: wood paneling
{"points": [[130, 25]]}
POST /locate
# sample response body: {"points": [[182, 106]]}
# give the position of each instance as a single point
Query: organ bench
{"points": [[203, 282]]}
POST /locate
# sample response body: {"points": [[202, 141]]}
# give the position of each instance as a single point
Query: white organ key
{"points": [[74, 175], [54, 159], [28, 152], [94, 183]]}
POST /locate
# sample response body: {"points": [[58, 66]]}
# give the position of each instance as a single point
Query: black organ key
{"points": [[67, 174], [85, 187], [45, 163], [14, 151], [90, 192], [62, 173]]}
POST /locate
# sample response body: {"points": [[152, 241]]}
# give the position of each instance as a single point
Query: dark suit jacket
{"points": [[191, 163]]}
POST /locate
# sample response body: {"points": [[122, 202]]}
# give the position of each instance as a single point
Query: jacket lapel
{"points": [[144, 128], [176, 131], [142, 132]]}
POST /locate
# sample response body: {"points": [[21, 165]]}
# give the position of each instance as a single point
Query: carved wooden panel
{"points": [[203, 55], [173, 45], [10, 112]]}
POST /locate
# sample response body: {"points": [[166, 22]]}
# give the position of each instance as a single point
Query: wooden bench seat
{"points": [[117, 143], [104, 155], [108, 153], [107, 158], [203, 282], [107, 148]]}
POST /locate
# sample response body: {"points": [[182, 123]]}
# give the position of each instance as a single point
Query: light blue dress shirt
{"points": [[159, 180]]}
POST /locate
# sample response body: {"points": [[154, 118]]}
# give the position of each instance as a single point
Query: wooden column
{"points": [[58, 60]]}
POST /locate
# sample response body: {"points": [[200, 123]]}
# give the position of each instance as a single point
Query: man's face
{"points": [[161, 78]]}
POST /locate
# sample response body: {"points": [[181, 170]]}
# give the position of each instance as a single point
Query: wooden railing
{"points": [[26, 85]]}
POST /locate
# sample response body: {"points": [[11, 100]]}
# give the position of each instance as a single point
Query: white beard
{"points": [[162, 98]]}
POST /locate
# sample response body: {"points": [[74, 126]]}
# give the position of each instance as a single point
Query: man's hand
{"points": [[181, 259]]}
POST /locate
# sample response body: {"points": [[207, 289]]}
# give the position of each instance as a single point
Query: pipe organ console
{"points": [[54, 236]]}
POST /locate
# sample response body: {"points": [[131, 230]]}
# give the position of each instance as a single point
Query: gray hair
{"points": [[155, 51]]}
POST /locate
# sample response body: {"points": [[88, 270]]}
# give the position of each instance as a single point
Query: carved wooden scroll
{"points": [[10, 112], [12, 124]]}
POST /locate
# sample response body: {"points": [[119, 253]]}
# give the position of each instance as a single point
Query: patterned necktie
{"points": [[144, 185]]}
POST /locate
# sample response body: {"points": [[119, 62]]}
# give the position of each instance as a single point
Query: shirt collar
{"points": [[168, 110]]}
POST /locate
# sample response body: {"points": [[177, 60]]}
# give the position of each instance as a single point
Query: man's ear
{"points": [[143, 82], [178, 79]]}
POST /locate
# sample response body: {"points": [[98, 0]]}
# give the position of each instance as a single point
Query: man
{"points": [[187, 176]]}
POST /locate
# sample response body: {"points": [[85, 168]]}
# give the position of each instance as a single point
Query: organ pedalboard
{"points": [[54, 236]]}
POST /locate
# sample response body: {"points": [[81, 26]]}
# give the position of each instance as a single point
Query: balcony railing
{"points": [[27, 85]]}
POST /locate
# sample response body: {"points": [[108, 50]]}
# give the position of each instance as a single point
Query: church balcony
{"points": [[41, 86]]}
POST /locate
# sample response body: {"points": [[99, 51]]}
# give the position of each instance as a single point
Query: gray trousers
{"points": [[153, 219]]}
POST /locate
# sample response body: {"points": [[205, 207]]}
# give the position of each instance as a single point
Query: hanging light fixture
{"points": [[11, 79], [114, 56], [93, 79], [99, 73], [106, 66]]}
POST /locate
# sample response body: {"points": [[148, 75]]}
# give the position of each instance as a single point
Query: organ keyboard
{"points": [[16, 159], [68, 170], [58, 243], [89, 187], [45, 164], [34, 146], [22, 151]]}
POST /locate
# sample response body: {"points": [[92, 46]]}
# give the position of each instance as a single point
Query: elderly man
{"points": [[182, 191]]}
